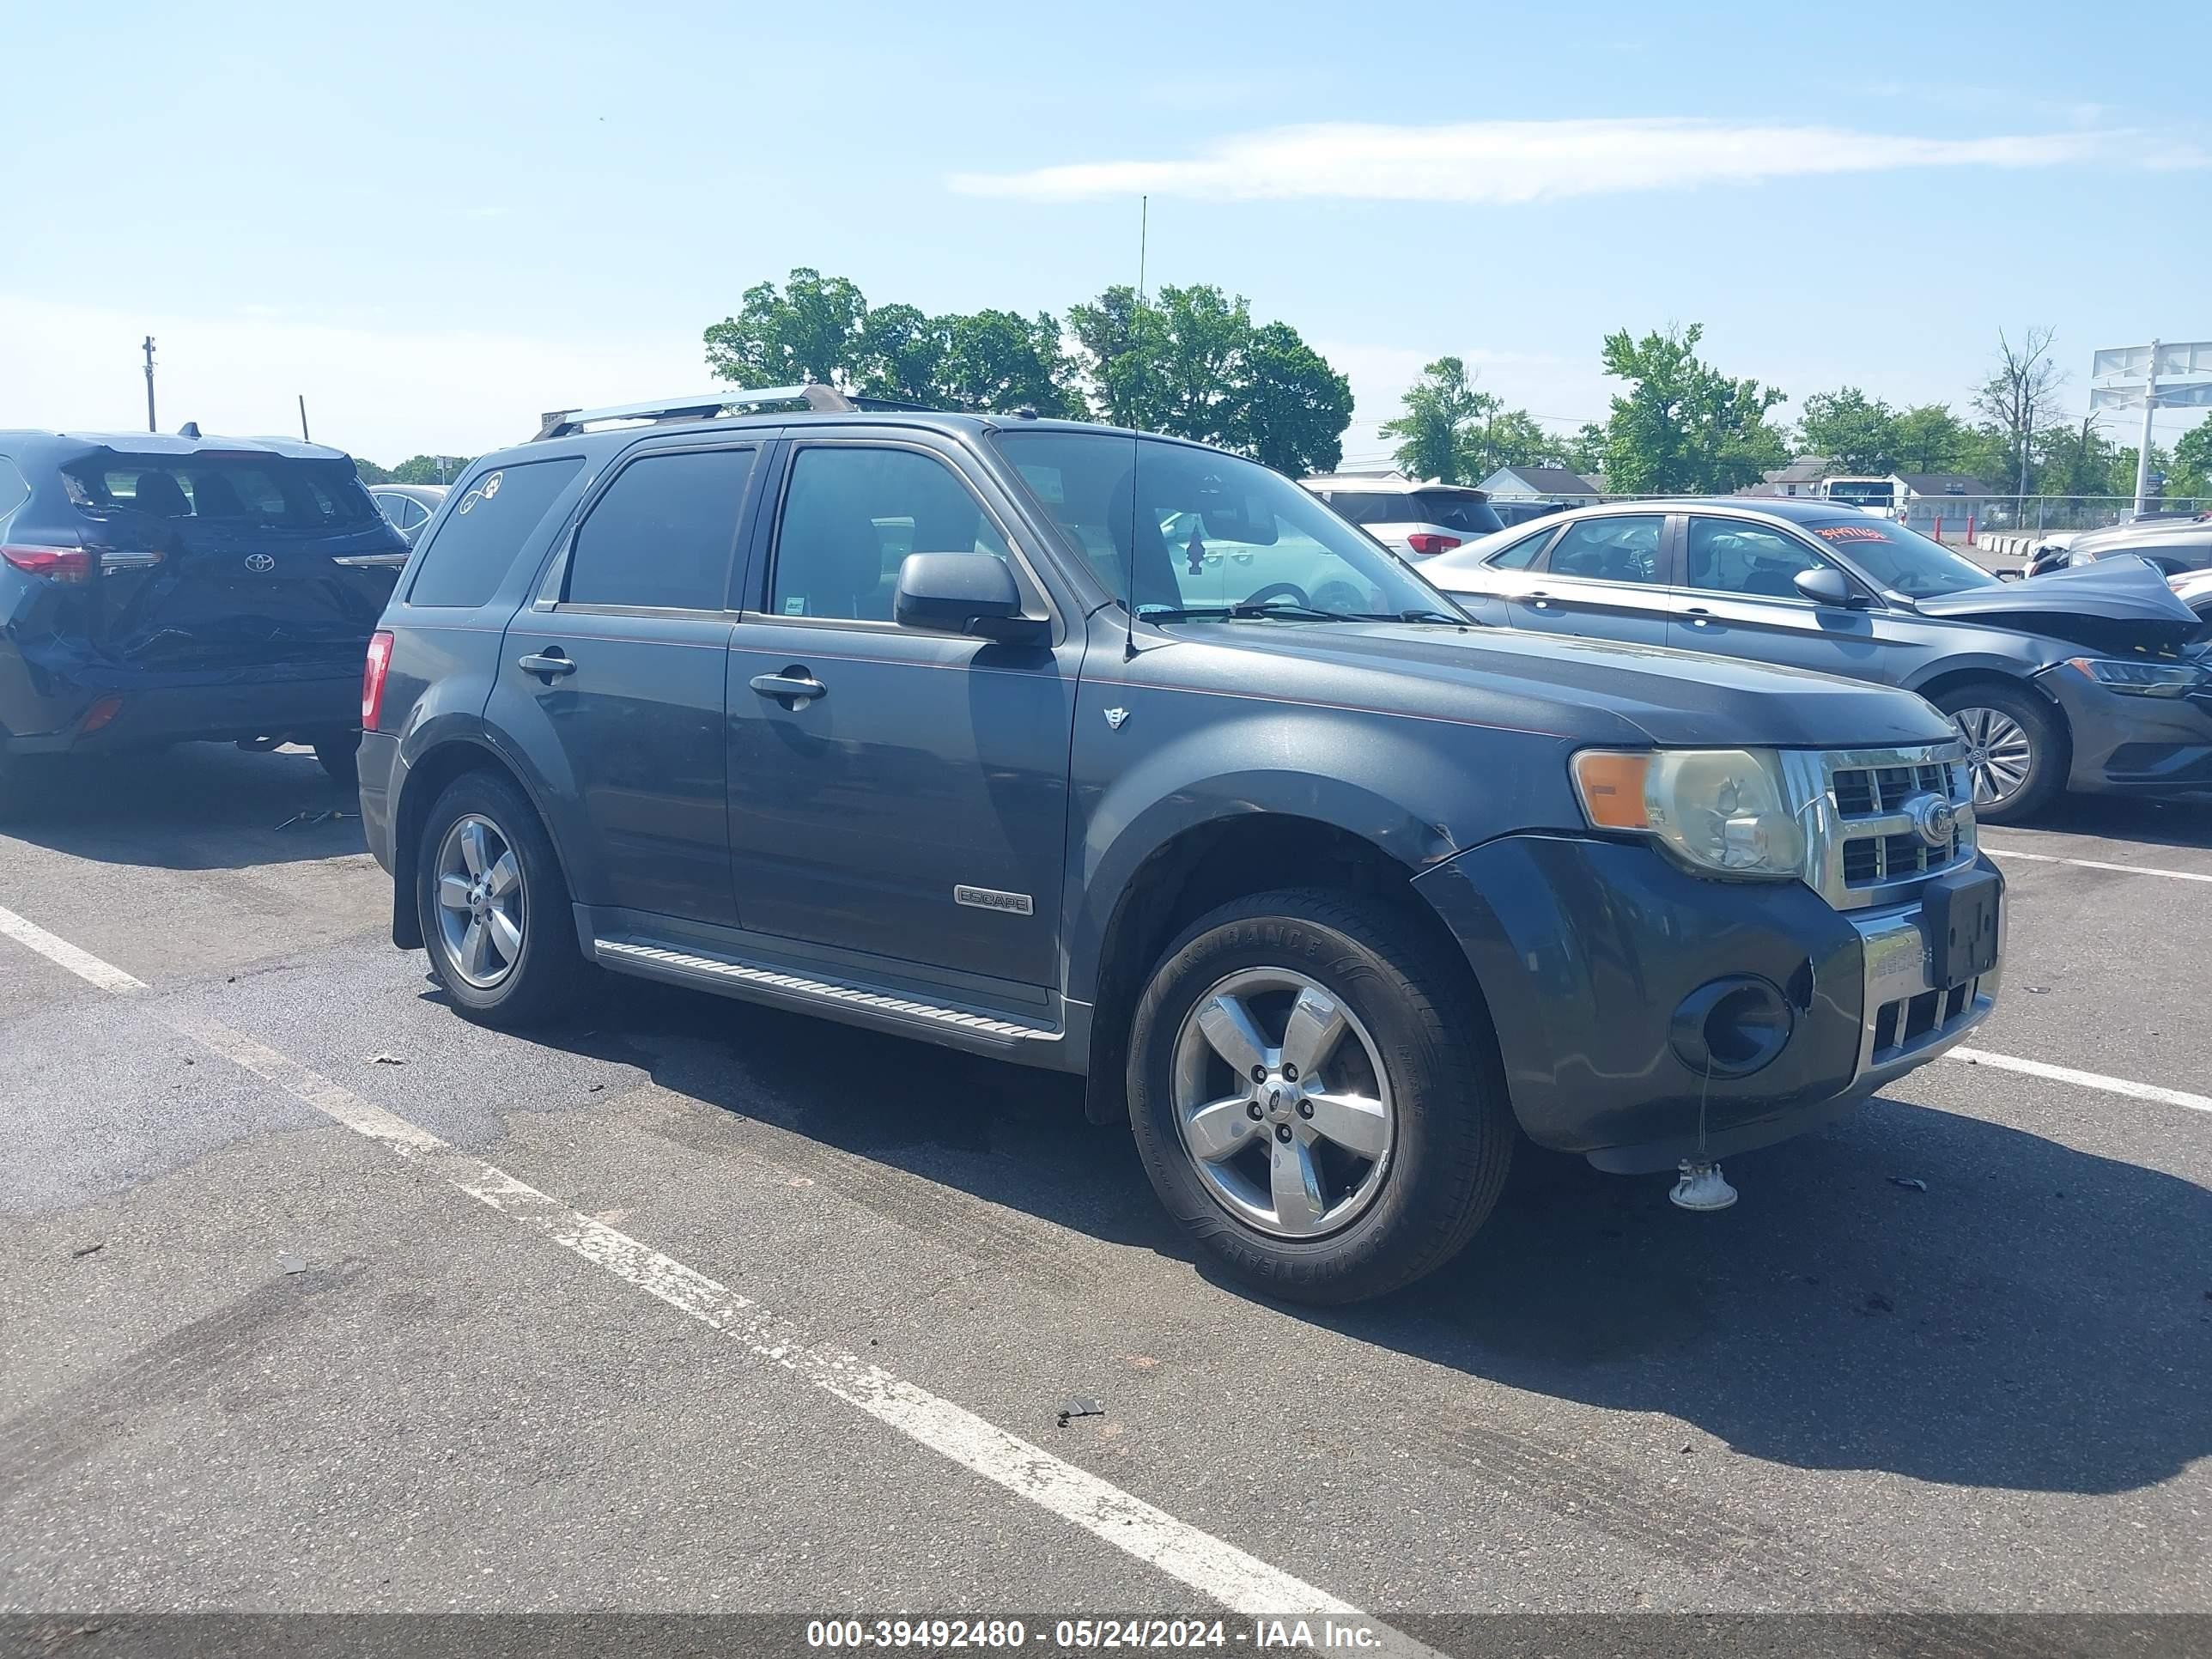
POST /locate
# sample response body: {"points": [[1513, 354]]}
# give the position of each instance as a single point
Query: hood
{"points": [[1592, 691], [2121, 605]]}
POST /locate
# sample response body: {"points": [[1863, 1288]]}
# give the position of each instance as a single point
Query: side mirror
{"points": [[972, 594], [1826, 585]]}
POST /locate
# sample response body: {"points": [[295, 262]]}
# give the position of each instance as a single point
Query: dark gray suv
{"points": [[2084, 680], [1031, 738]]}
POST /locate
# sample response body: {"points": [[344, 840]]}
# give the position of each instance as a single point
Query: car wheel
{"points": [[494, 906], [338, 753], [2015, 749], [1316, 1096]]}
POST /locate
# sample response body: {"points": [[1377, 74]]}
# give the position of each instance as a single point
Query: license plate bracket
{"points": [[1959, 912]]}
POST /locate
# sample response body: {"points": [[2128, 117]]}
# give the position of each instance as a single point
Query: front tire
{"points": [[2016, 749], [1316, 1096], [494, 906]]}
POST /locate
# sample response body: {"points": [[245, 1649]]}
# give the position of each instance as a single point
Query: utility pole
{"points": [[2150, 406], [149, 350], [1144, 226]]}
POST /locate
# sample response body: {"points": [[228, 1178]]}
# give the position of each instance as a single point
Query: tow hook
{"points": [[1702, 1186]]}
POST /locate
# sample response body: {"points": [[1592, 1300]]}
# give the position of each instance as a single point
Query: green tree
{"points": [[426, 470], [900, 352], [1855, 434], [1292, 407], [1584, 453], [997, 361], [1682, 426], [810, 331], [1193, 364], [1930, 438], [2190, 475], [1437, 413], [370, 472]]}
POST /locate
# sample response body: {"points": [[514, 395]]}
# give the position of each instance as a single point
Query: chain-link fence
{"points": [[1961, 518]]}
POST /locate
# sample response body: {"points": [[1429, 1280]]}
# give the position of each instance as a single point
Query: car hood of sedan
{"points": [[2120, 604]]}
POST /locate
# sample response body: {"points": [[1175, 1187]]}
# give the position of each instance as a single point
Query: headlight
{"points": [[2141, 679], [1724, 811]]}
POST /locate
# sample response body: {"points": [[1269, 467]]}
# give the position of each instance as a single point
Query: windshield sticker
{"points": [[482, 492], [1850, 533]]}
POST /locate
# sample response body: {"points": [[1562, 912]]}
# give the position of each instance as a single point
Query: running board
{"points": [[815, 995]]}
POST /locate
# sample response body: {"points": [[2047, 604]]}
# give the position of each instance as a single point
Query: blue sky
{"points": [[436, 222]]}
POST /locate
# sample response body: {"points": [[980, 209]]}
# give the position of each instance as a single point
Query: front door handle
{"points": [[550, 663], [794, 688], [1540, 598], [1699, 616]]}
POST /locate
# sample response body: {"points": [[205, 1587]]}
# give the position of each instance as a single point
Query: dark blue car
{"points": [[154, 590]]}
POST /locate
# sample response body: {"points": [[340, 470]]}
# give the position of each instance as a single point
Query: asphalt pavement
{"points": [[320, 1299]]}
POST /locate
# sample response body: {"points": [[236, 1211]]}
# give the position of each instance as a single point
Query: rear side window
{"points": [[1370, 506], [496, 516], [662, 535], [14, 492], [1520, 555], [269, 492]]}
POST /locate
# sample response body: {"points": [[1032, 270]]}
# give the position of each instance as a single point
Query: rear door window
{"points": [[472, 550], [1523, 554], [1622, 548], [661, 536]]}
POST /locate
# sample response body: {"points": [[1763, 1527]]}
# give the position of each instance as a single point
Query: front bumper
{"points": [[2128, 745], [1585, 949]]}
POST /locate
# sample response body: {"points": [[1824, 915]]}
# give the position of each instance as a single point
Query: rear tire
{"points": [[1381, 1163], [521, 965], [2017, 750], [338, 753]]}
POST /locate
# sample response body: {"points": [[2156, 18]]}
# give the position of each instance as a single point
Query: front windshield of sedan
{"points": [[1192, 532], [1901, 560]]}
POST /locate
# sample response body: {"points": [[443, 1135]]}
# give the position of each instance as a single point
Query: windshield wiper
{"points": [[1156, 613], [1417, 616]]}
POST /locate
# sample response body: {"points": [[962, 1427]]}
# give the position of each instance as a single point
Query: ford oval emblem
{"points": [[259, 563], [1933, 818]]}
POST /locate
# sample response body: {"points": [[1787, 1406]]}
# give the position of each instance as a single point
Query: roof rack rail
{"points": [[567, 422]]}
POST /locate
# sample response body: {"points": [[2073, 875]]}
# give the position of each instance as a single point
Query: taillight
{"points": [[1425, 545], [372, 679], [60, 564]]}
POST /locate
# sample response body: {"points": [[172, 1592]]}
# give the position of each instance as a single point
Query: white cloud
{"points": [[385, 394], [1504, 162]]}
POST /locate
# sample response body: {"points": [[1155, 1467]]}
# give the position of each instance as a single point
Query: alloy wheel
{"points": [[1283, 1103], [481, 910], [1998, 753]]}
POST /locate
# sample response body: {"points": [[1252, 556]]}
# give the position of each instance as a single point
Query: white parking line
{"points": [[82, 963], [2096, 864], [1214, 1568], [2111, 1085]]}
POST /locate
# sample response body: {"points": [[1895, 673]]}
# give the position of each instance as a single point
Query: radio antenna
{"points": [[1129, 560]]}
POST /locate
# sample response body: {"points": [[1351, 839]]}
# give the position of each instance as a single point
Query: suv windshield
{"points": [[1203, 532], [1903, 561]]}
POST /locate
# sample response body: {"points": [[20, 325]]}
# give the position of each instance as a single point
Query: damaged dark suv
{"points": [[157, 589], [1121, 757]]}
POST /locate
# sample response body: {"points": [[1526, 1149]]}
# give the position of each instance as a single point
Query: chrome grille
{"points": [[1913, 1022], [1865, 849]]}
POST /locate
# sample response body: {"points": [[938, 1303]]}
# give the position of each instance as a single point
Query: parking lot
{"points": [[322, 1299]]}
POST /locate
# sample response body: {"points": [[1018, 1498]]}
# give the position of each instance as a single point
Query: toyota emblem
{"points": [[259, 563]]}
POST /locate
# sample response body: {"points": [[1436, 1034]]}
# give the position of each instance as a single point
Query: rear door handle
{"points": [[551, 663], [1699, 616], [1540, 598], [792, 688]]}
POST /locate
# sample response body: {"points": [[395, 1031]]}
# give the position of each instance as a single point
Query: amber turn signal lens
{"points": [[1611, 789]]}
